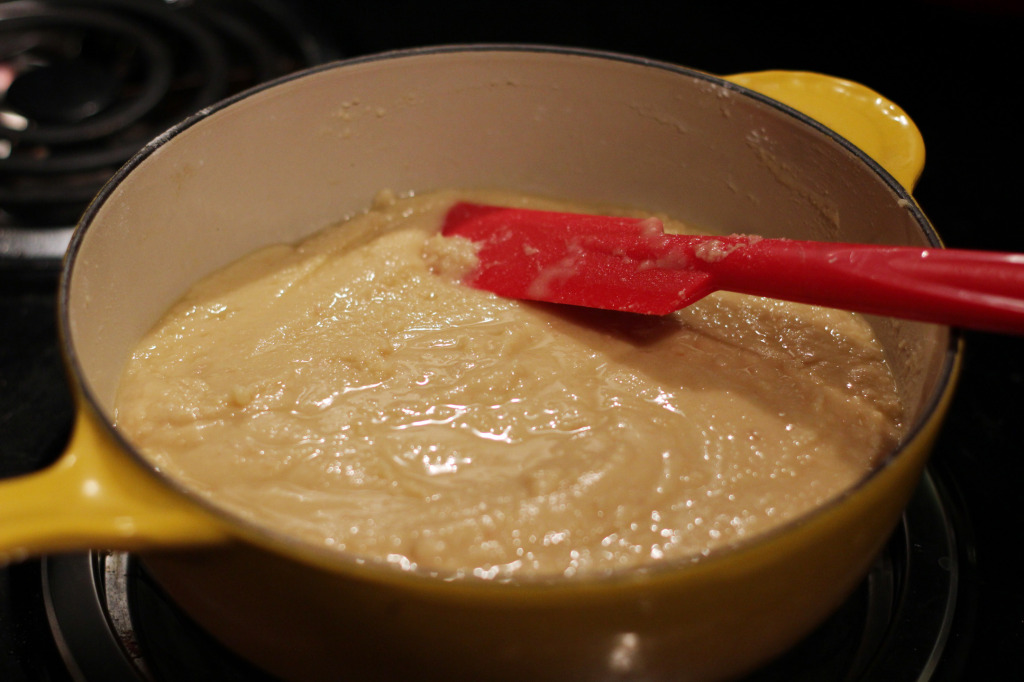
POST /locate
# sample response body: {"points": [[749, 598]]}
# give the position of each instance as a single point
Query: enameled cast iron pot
{"points": [[285, 159]]}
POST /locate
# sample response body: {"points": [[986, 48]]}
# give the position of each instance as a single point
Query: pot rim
{"points": [[931, 412]]}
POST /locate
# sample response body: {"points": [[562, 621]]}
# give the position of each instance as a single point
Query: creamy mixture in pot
{"points": [[351, 391]]}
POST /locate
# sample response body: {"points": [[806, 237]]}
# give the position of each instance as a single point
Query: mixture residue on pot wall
{"points": [[350, 390]]}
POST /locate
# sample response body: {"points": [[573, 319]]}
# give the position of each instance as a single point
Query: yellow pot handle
{"points": [[96, 497], [877, 126]]}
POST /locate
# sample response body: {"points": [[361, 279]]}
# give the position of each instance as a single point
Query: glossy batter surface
{"points": [[351, 391]]}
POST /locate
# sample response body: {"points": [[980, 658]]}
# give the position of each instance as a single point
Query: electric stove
{"points": [[85, 84]]}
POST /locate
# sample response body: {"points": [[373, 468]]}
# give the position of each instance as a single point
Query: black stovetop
{"points": [[952, 66]]}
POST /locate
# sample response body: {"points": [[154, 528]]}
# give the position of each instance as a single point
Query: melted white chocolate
{"points": [[351, 391]]}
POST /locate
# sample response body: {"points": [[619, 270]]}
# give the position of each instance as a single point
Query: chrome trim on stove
{"points": [[34, 243]]}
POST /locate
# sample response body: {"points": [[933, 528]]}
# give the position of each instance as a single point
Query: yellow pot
{"points": [[286, 159]]}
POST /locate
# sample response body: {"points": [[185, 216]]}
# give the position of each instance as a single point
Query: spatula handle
{"points": [[975, 289]]}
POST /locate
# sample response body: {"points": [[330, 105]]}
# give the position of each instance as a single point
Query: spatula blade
{"points": [[614, 263]]}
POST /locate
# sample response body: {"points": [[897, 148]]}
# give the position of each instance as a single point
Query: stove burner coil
{"points": [[84, 85]]}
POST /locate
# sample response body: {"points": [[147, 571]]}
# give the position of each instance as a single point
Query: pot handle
{"points": [[96, 497], [880, 128]]}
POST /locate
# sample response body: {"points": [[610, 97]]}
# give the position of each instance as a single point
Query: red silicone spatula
{"points": [[631, 265]]}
